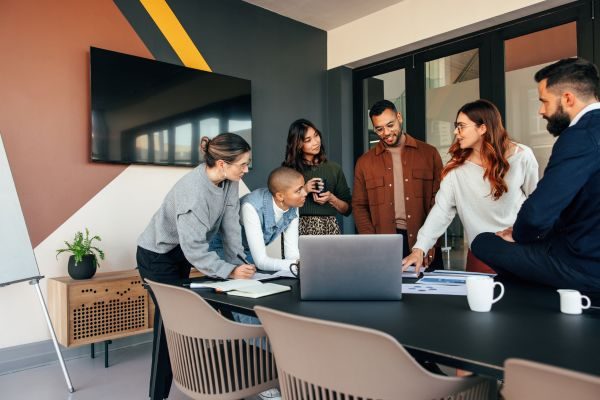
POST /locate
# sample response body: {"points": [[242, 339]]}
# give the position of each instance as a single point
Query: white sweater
{"points": [[464, 191], [254, 236]]}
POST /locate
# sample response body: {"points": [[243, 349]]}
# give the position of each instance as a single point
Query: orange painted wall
{"points": [[45, 100]]}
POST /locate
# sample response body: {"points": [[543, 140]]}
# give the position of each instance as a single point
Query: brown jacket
{"points": [[373, 194]]}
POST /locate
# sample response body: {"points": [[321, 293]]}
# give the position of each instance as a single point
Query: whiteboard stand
{"points": [[15, 247], [36, 282]]}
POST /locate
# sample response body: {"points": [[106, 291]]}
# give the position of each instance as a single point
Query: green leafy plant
{"points": [[81, 246]]}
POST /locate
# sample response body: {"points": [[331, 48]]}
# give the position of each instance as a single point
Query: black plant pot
{"points": [[84, 269]]}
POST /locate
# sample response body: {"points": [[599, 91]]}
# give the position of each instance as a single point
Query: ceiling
{"points": [[324, 14]]}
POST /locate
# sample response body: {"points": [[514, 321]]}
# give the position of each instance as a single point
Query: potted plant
{"points": [[84, 256]]}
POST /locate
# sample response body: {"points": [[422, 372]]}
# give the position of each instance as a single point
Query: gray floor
{"points": [[126, 379]]}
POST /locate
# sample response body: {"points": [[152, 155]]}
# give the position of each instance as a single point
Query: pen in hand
{"points": [[244, 271], [243, 259]]}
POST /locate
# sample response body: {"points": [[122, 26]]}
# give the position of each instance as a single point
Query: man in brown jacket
{"points": [[396, 181]]}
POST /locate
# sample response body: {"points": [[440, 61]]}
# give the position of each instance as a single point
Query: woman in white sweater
{"points": [[485, 182]]}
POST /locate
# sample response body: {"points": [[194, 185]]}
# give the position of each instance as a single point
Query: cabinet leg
{"points": [[106, 343], [92, 352]]}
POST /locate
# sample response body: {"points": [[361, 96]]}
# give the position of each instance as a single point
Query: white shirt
{"points": [[464, 191], [589, 107], [256, 243]]}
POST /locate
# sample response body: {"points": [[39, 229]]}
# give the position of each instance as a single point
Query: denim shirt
{"points": [[262, 201]]}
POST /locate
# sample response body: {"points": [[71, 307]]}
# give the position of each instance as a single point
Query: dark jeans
{"points": [[532, 262], [436, 263], [161, 268]]}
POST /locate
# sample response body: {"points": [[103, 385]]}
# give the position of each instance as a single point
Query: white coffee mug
{"points": [[480, 293], [571, 301]]}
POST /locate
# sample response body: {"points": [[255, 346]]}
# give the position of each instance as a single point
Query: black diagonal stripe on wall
{"points": [[144, 26], [285, 60]]}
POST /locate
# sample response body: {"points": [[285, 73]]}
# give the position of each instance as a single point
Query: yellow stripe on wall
{"points": [[177, 37]]}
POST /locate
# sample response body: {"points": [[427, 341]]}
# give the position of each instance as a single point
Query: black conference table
{"points": [[525, 323]]}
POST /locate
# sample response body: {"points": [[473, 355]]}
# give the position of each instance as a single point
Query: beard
{"points": [[398, 139], [558, 122]]}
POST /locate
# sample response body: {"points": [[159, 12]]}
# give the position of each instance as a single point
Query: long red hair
{"points": [[493, 150]]}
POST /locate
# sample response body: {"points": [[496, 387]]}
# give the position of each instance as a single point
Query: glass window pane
{"points": [[209, 127], [141, 148], [389, 86], [183, 143], [450, 82], [161, 146], [524, 56]]}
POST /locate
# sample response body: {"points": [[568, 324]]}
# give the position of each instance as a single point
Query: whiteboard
{"points": [[17, 261]]}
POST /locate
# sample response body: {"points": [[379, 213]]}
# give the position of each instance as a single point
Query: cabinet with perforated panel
{"points": [[111, 305]]}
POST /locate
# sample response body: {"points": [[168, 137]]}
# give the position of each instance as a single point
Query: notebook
{"points": [[351, 267], [242, 287]]}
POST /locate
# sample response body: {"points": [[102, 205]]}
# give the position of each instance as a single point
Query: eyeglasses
{"points": [[242, 165], [380, 130], [460, 126]]}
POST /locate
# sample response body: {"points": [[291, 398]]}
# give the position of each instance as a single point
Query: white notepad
{"points": [[225, 286], [264, 289], [242, 287]]}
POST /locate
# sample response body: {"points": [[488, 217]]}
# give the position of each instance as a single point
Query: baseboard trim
{"points": [[31, 355]]}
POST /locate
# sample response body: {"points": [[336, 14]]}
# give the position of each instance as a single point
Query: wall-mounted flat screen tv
{"points": [[151, 112]]}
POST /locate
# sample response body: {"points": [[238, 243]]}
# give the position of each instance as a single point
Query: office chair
{"points": [[320, 360], [529, 380], [211, 356]]}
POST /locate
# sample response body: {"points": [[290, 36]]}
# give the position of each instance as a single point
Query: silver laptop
{"points": [[351, 267]]}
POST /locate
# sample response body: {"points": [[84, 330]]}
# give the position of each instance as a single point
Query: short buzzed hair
{"points": [[576, 73], [281, 179]]}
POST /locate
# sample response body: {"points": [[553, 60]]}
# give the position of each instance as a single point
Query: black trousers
{"points": [[532, 262], [161, 268]]}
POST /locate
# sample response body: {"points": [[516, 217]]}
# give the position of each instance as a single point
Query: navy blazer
{"points": [[565, 207]]}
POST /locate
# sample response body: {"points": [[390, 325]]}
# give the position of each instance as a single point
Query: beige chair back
{"points": [[534, 381], [316, 359], [211, 356]]}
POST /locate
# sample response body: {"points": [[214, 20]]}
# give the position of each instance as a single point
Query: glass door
{"points": [[450, 82], [523, 57], [389, 86]]}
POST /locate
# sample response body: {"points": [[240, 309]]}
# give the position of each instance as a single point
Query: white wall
{"points": [[405, 25], [118, 213]]}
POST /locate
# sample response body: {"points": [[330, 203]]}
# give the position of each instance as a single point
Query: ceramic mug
{"points": [[571, 301], [295, 269], [480, 293]]}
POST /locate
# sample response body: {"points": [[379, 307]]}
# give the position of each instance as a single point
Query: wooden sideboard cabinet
{"points": [[108, 306]]}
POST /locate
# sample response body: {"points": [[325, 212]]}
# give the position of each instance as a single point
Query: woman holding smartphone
{"points": [[328, 191]]}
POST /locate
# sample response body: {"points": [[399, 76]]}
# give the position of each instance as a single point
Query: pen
{"points": [[243, 259]]}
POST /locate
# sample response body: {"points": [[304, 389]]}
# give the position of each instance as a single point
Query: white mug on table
{"points": [[571, 301], [480, 293]]}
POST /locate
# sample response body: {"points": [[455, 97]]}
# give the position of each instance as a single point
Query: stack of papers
{"points": [[445, 282], [242, 287]]}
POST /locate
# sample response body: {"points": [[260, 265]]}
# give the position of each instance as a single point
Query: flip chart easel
{"points": [[17, 262]]}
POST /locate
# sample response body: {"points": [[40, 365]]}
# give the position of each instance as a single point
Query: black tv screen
{"points": [[151, 112]]}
